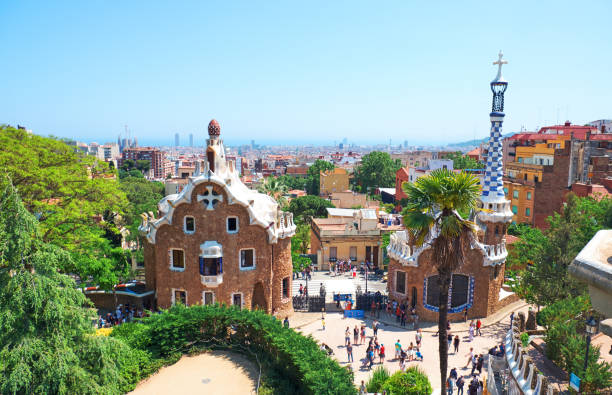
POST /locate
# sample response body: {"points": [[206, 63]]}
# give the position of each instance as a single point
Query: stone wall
{"points": [[273, 261], [487, 282]]}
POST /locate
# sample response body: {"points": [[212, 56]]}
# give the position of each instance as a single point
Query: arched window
{"points": [[461, 293], [460, 290]]}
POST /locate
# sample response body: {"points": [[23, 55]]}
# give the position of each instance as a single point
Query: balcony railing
{"points": [[212, 281]]}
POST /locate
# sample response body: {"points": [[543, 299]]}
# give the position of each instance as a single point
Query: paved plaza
{"points": [[342, 283], [494, 328]]}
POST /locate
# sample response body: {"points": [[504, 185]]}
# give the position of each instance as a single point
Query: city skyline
{"points": [[402, 72]]}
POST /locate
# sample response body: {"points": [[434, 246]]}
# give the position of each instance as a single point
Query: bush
{"points": [[291, 363], [525, 339], [379, 377], [412, 382]]}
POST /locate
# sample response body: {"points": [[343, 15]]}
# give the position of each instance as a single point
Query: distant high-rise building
{"points": [[176, 140], [252, 143], [191, 139], [405, 143]]}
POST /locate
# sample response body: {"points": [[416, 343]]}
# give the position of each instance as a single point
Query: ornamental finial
{"points": [[500, 62]]}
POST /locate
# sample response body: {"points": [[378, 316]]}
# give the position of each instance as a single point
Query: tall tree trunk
{"points": [[445, 279]]}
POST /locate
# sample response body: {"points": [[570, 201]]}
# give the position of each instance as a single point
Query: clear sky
{"points": [[308, 71]]}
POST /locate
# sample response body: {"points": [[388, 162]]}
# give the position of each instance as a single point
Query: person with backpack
{"points": [[473, 388], [459, 385], [479, 363]]}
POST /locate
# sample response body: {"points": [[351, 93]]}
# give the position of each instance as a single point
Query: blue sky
{"points": [[307, 71]]}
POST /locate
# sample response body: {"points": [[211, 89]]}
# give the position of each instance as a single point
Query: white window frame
{"points": [[227, 224], [515, 194], [241, 299], [240, 259], [174, 296], [395, 282], [171, 259], [189, 232], [213, 297]]}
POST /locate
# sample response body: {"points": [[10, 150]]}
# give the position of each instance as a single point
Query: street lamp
{"points": [[591, 329]]}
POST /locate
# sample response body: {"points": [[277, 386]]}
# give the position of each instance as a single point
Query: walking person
{"points": [[478, 326], [474, 363], [347, 336], [381, 354], [363, 334], [479, 363], [418, 337], [449, 339], [398, 349], [456, 343], [471, 331], [470, 355], [356, 335], [349, 352], [375, 327], [323, 321]]}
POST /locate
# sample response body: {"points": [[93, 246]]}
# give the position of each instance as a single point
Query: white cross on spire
{"points": [[500, 62]]}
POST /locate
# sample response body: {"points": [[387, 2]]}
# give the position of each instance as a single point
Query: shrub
{"points": [[291, 363], [379, 376], [525, 339], [412, 382]]}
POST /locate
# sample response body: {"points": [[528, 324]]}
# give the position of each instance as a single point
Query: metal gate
{"points": [[309, 303]]}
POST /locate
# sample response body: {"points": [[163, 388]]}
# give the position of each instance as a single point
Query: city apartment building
{"points": [[219, 241], [335, 180], [546, 164], [346, 235], [151, 154]]}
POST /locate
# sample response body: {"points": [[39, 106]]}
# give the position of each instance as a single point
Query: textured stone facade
{"points": [[211, 222], [487, 282]]}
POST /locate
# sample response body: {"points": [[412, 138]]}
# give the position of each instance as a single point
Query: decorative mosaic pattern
{"points": [[457, 309], [493, 183]]}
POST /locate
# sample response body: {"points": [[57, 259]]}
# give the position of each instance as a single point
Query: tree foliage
{"points": [[47, 343], [290, 182], [75, 198], [300, 242], [272, 187], [433, 203], [545, 280], [306, 207], [143, 196], [461, 161], [376, 170], [566, 343]]}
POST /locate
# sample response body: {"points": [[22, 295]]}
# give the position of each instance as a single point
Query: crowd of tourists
{"points": [[123, 313]]}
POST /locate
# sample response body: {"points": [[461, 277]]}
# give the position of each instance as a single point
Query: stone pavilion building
{"points": [[219, 241], [477, 283]]}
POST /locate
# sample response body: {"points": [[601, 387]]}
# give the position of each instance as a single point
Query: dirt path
{"points": [[216, 372]]}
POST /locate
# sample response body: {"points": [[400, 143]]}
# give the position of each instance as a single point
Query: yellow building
{"points": [[355, 237], [336, 180], [521, 175]]}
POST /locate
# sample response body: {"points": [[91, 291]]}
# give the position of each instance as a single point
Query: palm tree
{"points": [[432, 217], [271, 186]]}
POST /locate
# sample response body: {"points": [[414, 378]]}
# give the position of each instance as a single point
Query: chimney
{"points": [[568, 123]]}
